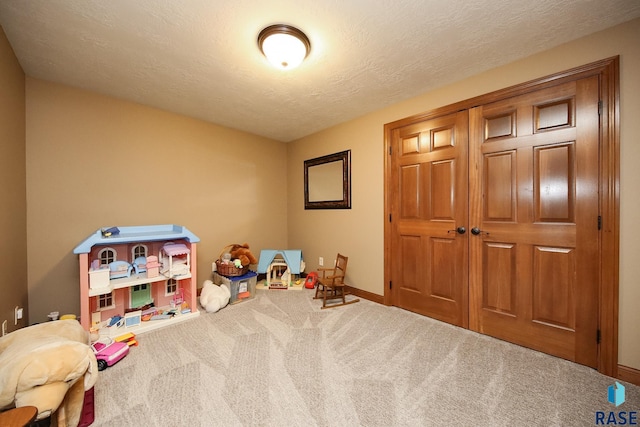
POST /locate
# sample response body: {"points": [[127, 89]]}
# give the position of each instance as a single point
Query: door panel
{"points": [[533, 184], [553, 285], [500, 184], [499, 288], [429, 258]]}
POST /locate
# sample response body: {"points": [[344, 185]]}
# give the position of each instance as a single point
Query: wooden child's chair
{"points": [[331, 286]]}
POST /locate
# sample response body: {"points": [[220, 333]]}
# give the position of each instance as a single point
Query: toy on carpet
{"points": [[311, 280], [129, 338], [109, 352], [214, 297]]}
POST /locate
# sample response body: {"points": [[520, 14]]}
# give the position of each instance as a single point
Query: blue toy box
{"points": [[242, 288]]}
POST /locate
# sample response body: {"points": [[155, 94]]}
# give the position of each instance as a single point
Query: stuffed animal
{"points": [[49, 365], [214, 297], [243, 253]]}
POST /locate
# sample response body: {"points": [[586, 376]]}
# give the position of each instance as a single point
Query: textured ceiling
{"points": [[200, 57]]}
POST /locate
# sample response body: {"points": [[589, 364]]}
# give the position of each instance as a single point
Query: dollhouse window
{"points": [[172, 285], [106, 301], [139, 251], [106, 256]]}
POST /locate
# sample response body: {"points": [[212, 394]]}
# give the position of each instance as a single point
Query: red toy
{"points": [[311, 280]]}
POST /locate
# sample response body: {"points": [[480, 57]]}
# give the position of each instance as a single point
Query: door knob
{"points": [[476, 231], [459, 230]]}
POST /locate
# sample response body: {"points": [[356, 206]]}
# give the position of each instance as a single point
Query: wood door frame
{"points": [[608, 71]]}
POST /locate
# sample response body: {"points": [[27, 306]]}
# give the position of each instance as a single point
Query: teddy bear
{"points": [[214, 297], [49, 365], [243, 253]]}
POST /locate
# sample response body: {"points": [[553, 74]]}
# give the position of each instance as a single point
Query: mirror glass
{"points": [[327, 181]]}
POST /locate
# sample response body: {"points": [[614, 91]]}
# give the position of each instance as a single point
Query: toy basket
{"points": [[229, 269]]}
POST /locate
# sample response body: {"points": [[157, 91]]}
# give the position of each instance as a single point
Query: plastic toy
{"points": [[178, 298], [275, 263], [311, 280], [128, 338], [140, 264], [119, 269], [133, 318], [152, 266], [116, 321], [111, 231], [108, 354], [175, 259], [135, 291]]}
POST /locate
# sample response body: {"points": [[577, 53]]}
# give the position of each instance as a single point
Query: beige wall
{"points": [[359, 232], [13, 193], [95, 161], [87, 154]]}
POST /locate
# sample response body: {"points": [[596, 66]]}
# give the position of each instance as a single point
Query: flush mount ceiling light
{"points": [[284, 46]]}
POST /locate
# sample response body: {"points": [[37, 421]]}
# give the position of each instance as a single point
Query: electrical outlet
{"points": [[321, 261], [4, 328], [17, 315]]}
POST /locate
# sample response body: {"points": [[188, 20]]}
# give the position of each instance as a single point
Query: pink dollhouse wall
{"points": [[122, 296]]}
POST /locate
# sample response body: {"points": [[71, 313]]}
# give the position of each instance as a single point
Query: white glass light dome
{"points": [[285, 47]]}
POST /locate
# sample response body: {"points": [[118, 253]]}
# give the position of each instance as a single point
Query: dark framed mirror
{"points": [[327, 181]]}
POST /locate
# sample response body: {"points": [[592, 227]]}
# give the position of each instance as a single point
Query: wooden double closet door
{"points": [[494, 217]]}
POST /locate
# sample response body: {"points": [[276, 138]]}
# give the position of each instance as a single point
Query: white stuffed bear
{"points": [[214, 297]]}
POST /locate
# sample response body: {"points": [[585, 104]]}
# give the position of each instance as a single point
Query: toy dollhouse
{"points": [[137, 278], [280, 266]]}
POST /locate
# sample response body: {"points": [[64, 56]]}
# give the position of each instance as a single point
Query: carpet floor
{"points": [[279, 360]]}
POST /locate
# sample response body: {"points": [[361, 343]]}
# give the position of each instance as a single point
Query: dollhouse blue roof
{"points": [[146, 233], [292, 257]]}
